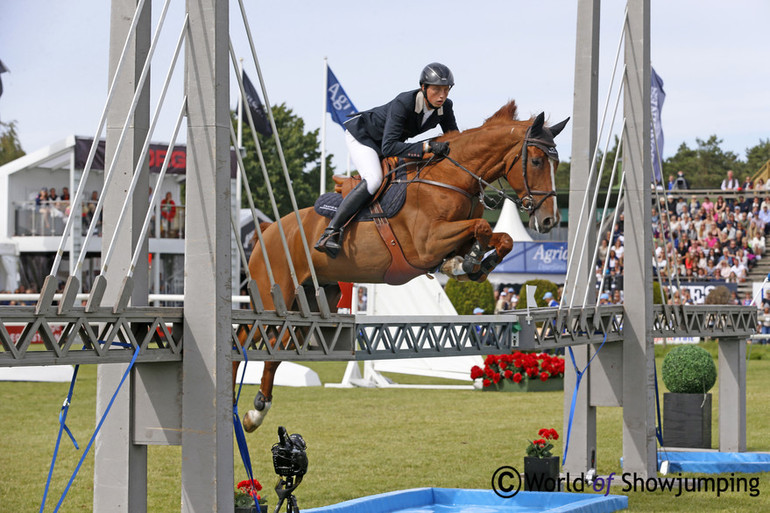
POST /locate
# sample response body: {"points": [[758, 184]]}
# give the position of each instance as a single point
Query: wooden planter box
{"points": [[541, 474], [527, 385], [687, 420]]}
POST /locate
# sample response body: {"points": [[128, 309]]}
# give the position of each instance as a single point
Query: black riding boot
{"points": [[331, 239]]}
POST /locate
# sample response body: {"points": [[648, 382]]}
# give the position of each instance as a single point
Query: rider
{"points": [[380, 132]]}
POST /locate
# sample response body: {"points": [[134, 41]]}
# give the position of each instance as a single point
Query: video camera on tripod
{"points": [[290, 463]]}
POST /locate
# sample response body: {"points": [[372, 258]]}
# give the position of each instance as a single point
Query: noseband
{"points": [[527, 203]]}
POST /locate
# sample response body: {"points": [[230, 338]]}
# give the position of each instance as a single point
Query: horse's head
{"points": [[530, 168]]}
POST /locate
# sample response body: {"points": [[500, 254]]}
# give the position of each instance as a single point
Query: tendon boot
{"points": [[331, 239]]}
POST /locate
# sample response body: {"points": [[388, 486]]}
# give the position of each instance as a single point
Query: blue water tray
{"points": [[712, 462], [452, 500]]}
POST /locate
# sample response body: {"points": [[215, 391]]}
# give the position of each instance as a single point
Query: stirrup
{"points": [[329, 242]]}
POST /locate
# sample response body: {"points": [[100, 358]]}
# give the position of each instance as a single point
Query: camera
{"points": [[289, 456]]}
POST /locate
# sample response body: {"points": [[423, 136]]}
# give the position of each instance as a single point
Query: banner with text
{"points": [[535, 257]]}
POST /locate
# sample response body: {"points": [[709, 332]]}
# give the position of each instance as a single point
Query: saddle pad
{"points": [[391, 201]]}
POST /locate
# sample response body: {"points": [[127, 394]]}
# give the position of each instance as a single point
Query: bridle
{"points": [[527, 203]]}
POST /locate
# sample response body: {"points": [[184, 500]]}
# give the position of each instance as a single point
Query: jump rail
{"points": [[108, 337]]}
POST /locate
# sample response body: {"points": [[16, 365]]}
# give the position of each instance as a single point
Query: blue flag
{"points": [[337, 102], [258, 114], [657, 96]]}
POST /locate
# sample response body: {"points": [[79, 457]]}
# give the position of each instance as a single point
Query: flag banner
{"points": [[3, 69], [337, 102], [657, 96], [258, 114]]}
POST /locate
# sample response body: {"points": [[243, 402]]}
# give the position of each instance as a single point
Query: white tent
{"points": [[510, 223], [421, 296]]}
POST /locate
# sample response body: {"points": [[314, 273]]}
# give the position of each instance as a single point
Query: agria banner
{"points": [[535, 257]]}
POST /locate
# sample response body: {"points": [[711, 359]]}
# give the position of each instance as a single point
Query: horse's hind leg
{"points": [[263, 400]]}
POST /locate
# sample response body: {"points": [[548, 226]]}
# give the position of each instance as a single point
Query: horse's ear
{"points": [[558, 127], [537, 125]]}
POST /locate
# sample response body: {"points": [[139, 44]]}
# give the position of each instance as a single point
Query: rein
{"points": [[526, 204]]}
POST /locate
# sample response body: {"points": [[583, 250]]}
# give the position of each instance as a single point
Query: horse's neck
{"points": [[485, 153]]}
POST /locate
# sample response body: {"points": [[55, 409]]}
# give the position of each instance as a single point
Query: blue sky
{"points": [[712, 55]]}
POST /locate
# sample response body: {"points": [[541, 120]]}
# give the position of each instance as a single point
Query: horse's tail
{"points": [[262, 226]]}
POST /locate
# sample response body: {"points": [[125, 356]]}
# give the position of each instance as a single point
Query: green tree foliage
{"points": [[467, 295], [302, 152], [10, 147], [705, 166], [757, 155]]}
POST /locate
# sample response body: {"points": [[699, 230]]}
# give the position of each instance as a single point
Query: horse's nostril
{"points": [[547, 222]]}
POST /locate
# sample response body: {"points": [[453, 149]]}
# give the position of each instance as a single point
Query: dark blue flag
{"points": [[337, 102], [258, 114], [657, 96], [3, 69]]}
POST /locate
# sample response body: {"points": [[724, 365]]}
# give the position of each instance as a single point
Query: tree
{"points": [[756, 156], [706, 166], [303, 160], [10, 147]]}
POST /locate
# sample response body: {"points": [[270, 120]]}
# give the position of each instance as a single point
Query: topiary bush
{"points": [[543, 286], [689, 369], [718, 296], [467, 295]]}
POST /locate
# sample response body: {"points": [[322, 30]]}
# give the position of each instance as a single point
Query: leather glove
{"points": [[439, 149]]}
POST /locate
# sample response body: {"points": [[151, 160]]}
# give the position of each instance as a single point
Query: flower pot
{"points": [[552, 384], [541, 474], [687, 420]]}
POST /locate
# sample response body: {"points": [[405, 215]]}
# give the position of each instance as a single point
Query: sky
{"points": [[712, 56]]}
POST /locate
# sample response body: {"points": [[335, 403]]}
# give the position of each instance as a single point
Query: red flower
{"points": [[501, 364], [517, 377], [543, 376], [544, 432], [554, 435], [508, 373], [486, 383], [476, 372], [496, 377]]}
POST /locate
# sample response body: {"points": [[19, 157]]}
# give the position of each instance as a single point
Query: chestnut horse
{"points": [[440, 224]]}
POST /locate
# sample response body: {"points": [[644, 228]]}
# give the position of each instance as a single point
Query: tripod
{"points": [[284, 490]]}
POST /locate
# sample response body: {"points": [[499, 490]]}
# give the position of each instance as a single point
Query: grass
{"points": [[360, 441]]}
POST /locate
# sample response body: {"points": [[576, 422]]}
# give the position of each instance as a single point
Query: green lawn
{"points": [[360, 441]]}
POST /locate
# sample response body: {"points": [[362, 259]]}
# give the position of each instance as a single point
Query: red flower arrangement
{"points": [[541, 448], [517, 367], [246, 492]]}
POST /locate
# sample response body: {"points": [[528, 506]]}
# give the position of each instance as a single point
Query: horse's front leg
{"points": [[501, 244], [263, 400], [447, 237]]}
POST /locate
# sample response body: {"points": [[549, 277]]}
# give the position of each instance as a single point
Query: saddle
{"points": [[386, 203]]}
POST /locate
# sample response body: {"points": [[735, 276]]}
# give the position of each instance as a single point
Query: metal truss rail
{"points": [[107, 337], [94, 337]]}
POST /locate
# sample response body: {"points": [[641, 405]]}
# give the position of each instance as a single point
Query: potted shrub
{"points": [[541, 468], [689, 373], [245, 495], [521, 372]]}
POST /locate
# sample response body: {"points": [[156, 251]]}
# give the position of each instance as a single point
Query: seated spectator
{"points": [[720, 206], [747, 184], [707, 205]]}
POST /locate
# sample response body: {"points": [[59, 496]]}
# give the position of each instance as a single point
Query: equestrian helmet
{"points": [[436, 73]]}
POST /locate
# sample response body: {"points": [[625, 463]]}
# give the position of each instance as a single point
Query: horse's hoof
{"points": [[254, 418]]}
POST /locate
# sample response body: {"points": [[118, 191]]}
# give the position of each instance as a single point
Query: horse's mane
{"points": [[504, 115]]}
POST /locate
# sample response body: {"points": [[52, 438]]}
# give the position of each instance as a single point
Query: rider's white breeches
{"points": [[366, 161]]}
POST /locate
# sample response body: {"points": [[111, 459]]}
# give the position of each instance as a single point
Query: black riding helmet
{"points": [[436, 73]]}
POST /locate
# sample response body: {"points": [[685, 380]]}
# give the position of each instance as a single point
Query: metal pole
{"points": [[639, 444], [323, 128], [207, 432]]}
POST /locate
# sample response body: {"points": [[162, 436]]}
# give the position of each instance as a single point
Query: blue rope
{"points": [[96, 431], [240, 436], [62, 427], [659, 427], [575, 392]]}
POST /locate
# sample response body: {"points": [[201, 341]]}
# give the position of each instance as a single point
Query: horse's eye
{"points": [[537, 161]]}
